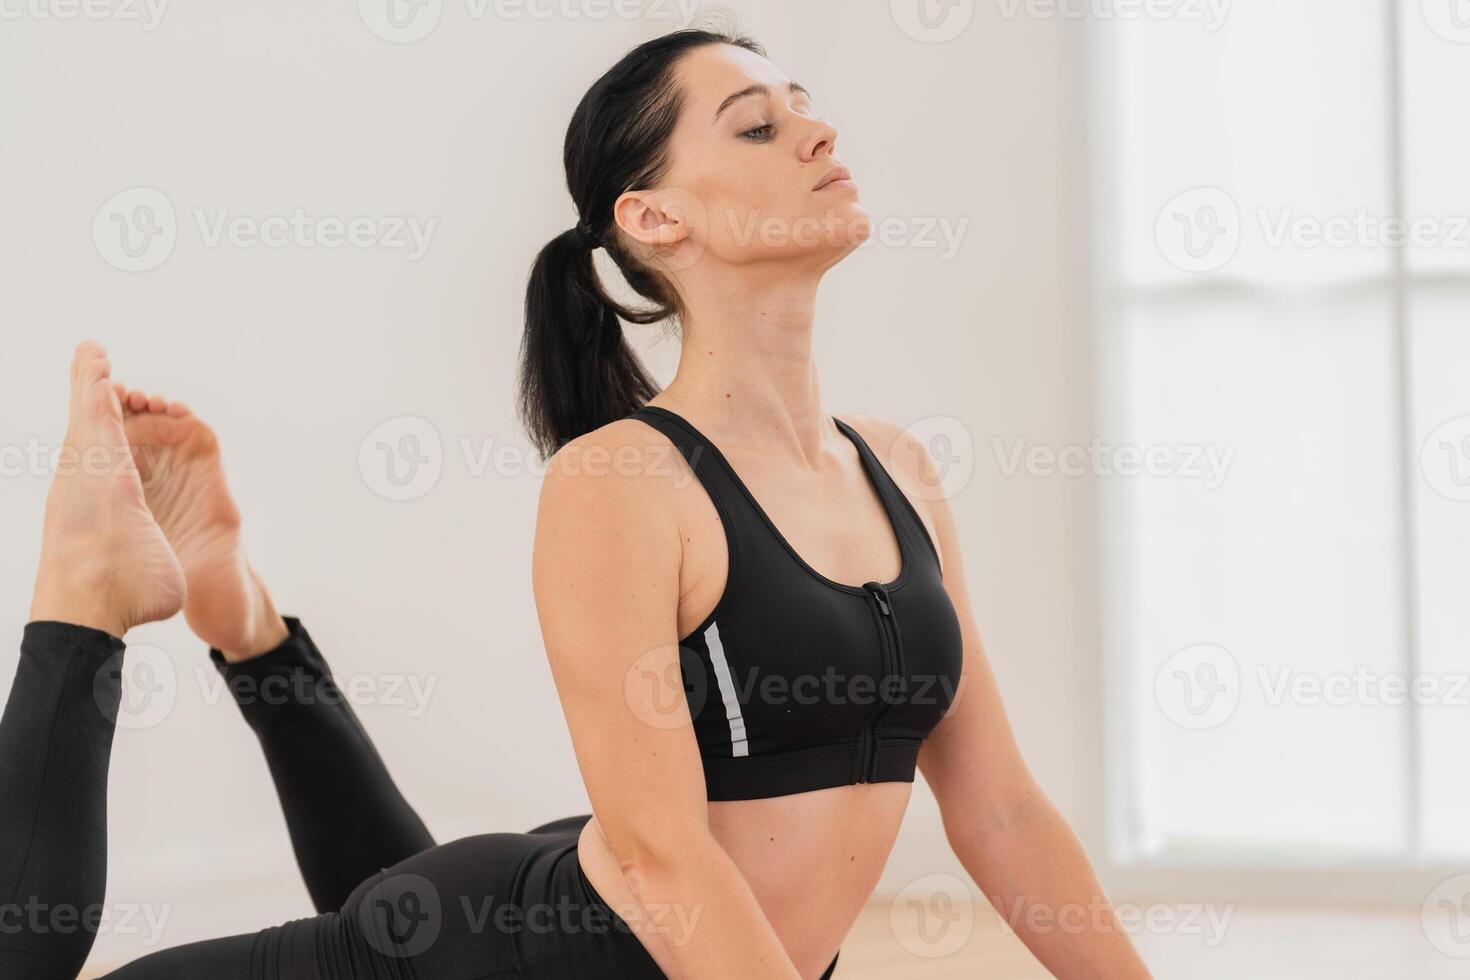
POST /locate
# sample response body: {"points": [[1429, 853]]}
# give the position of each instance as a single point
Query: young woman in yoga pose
{"points": [[756, 618]]}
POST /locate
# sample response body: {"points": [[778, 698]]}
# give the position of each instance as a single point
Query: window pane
{"points": [[1441, 318], [1436, 56], [1290, 126], [1290, 566]]}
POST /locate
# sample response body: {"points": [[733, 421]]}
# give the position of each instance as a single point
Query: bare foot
{"points": [[178, 456], [105, 563]]}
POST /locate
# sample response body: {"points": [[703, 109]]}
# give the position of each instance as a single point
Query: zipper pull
{"points": [[880, 595]]}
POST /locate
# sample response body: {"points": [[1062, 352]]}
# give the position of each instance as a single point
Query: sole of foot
{"points": [[183, 475], [105, 562]]}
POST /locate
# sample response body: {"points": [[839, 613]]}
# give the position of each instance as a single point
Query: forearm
{"points": [[1033, 869], [706, 918]]}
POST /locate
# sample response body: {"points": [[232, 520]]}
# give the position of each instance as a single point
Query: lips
{"points": [[840, 173]]}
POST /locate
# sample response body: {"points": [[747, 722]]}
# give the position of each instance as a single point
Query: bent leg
{"points": [[489, 907], [346, 816]]}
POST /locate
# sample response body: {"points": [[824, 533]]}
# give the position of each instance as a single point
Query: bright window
{"points": [[1286, 588]]}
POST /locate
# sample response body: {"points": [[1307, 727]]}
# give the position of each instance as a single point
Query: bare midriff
{"points": [[811, 859]]}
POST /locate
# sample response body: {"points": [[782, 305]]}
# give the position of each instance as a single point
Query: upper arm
{"points": [[605, 574], [971, 760]]}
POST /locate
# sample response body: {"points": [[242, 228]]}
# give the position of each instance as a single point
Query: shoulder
{"points": [[621, 475]]}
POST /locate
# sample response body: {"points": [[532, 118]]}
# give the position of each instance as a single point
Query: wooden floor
{"points": [[1257, 943]]}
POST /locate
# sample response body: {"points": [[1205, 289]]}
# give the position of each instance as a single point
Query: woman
{"points": [[739, 824]]}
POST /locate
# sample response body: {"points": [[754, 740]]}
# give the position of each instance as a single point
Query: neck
{"points": [[746, 366]]}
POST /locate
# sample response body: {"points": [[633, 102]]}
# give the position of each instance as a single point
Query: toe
{"points": [[157, 404], [90, 364], [137, 401], [178, 410]]}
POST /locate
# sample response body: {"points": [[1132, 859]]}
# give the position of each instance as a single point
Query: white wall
{"points": [[295, 354]]}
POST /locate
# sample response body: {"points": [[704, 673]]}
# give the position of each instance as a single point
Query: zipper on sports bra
{"points": [[888, 628]]}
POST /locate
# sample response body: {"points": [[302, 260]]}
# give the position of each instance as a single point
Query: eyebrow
{"points": [[756, 89]]}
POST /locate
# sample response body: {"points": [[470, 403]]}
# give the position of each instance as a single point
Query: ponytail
{"points": [[577, 371]]}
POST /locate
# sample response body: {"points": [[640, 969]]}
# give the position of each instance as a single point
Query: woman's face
{"points": [[746, 158]]}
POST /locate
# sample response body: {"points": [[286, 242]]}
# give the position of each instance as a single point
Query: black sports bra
{"points": [[796, 682]]}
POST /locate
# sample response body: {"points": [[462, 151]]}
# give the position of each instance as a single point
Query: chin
{"points": [[848, 227]]}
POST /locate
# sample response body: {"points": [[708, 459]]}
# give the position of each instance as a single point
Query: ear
{"points": [[660, 218]]}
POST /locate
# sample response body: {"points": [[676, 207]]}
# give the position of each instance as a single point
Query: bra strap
{"points": [[900, 510]]}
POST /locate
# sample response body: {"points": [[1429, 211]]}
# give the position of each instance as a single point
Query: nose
{"points": [[822, 139]]}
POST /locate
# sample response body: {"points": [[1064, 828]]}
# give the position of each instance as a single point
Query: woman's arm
{"points": [[606, 578], [1005, 831]]}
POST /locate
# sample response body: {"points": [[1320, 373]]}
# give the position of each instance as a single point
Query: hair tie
{"points": [[586, 236]]}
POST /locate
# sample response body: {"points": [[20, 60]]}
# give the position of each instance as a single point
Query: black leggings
{"points": [[393, 906]]}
